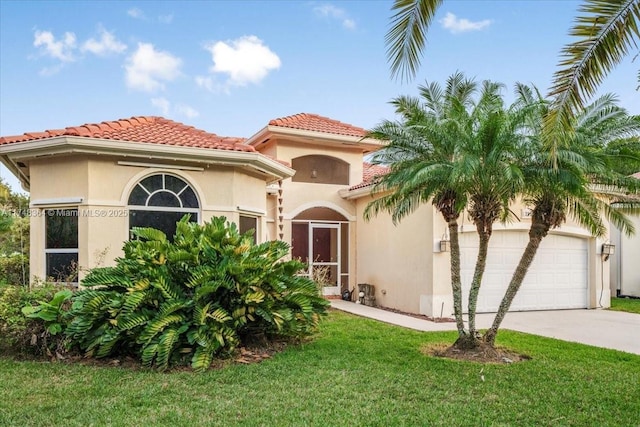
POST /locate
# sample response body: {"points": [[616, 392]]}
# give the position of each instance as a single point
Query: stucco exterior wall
{"points": [[397, 260], [625, 272], [104, 187], [300, 196], [54, 178], [410, 273]]}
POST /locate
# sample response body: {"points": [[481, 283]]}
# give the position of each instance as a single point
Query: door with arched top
{"points": [[320, 239]]}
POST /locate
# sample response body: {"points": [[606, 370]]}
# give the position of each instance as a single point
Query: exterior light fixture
{"points": [[314, 173], [607, 250], [445, 245]]}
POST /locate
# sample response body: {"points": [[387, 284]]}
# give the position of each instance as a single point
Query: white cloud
{"points": [[58, 49], [49, 71], [207, 83], [462, 25], [106, 45], [135, 13], [162, 104], [187, 111], [147, 68], [245, 60], [333, 12]]}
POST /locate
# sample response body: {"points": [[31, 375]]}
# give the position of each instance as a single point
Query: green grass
{"points": [[625, 304], [357, 372]]}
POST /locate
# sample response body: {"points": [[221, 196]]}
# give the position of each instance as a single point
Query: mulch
{"points": [[483, 353]]}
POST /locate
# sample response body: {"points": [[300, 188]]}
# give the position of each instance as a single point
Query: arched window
{"points": [[320, 169], [161, 200]]}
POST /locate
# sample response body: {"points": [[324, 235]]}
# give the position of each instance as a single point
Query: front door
{"points": [[324, 265]]}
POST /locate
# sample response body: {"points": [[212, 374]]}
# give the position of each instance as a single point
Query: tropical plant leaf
{"points": [[605, 31], [406, 38]]}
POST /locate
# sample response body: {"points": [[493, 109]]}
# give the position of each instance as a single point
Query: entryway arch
{"points": [[320, 239]]}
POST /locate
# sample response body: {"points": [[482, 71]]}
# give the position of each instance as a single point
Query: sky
{"points": [[228, 67]]}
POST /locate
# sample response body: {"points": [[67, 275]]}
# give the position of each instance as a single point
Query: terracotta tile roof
{"points": [[316, 123], [149, 129], [369, 174]]}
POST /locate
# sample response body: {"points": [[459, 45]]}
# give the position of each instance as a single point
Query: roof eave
{"points": [[367, 144], [81, 145], [349, 194], [15, 170]]}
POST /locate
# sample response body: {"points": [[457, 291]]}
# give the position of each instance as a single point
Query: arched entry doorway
{"points": [[320, 239]]}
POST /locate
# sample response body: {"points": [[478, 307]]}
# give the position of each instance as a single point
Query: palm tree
{"points": [[424, 158], [457, 152], [578, 181], [605, 29]]}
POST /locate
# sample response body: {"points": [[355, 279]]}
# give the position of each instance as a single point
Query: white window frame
{"points": [[48, 251]]}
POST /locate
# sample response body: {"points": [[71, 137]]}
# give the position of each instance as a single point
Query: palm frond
{"points": [[605, 31], [406, 38]]}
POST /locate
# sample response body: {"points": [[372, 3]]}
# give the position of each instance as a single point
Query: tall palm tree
{"points": [[605, 31], [424, 155], [578, 181], [458, 151]]}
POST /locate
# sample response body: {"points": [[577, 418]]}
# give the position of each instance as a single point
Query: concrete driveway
{"points": [[600, 328]]}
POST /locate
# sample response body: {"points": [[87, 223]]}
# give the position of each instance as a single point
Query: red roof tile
{"points": [[149, 129], [316, 123], [369, 174]]}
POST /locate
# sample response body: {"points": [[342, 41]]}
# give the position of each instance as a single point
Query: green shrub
{"points": [[53, 313], [194, 298], [14, 269], [19, 334]]}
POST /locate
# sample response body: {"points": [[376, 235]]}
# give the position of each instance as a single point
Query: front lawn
{"points": [[357, 372], [629, 305]]}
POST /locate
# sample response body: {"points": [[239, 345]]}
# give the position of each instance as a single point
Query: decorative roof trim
{"points": [[311, 137], [253, 160]]}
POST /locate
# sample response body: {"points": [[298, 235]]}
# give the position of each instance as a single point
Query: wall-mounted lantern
{"points": [[607, 250], [445, 245]]}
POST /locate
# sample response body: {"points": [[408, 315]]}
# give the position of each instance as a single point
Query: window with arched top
{"points": [[160, 201], [320, 169]]}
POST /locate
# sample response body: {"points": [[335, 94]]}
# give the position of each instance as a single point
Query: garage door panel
{"points": [[556, 279]]}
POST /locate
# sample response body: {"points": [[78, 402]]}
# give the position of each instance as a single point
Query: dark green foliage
{"points": [[17, 332], [194, 298], [54, 313], [14, 269], [14, 237]]}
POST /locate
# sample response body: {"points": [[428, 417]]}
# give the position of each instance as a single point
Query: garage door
{"points": [[557, 278]]}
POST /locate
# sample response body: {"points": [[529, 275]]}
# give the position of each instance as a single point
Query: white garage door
{"points": [[557, 277]]}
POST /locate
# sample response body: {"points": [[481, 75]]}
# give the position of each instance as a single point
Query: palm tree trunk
{"points": [[456, 285], [481, 263], [536, 234]]}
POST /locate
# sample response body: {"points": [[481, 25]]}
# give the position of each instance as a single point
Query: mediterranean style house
{"points": [[302, 179]]}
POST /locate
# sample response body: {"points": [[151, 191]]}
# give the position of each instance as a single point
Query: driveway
{"points": [[600, 328]]}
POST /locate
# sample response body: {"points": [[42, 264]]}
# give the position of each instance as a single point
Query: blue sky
{"points": [[228, 67]]}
